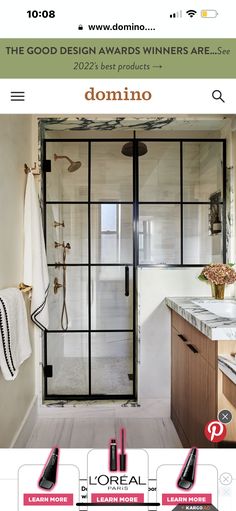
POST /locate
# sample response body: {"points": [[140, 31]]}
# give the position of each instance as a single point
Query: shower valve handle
{"points": [[58, 224], [56, 285]]}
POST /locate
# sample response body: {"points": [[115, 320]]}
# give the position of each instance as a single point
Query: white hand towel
{"points": [[35, 262], [14, 335]]}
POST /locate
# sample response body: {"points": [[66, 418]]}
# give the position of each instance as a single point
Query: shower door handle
{"points": [[126, 281]]}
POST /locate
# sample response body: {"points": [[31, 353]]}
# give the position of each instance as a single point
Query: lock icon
{"points": [[80, 27]]}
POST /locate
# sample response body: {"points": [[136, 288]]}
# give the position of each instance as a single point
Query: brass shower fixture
{"points": [[56, 285], [63, 245], [57, 224], [74, 165]]}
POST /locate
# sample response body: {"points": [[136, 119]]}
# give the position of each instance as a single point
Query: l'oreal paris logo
{"points": [[103, 480]]}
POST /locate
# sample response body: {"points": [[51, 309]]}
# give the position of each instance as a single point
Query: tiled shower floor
{"points": [[109, 375]]}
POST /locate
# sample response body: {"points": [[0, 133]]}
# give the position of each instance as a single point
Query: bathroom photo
{"points": [[117, 280]]}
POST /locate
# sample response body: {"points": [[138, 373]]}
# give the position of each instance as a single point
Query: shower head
{"points": [[74, 165], [128, 149]]}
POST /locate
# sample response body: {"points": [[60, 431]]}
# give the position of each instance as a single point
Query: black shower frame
{"points": [[89, 265], [181, 202], [135, 264]]}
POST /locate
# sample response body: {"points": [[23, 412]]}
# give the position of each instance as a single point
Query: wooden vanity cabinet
{"points": [[193, 382], [179, 384]]}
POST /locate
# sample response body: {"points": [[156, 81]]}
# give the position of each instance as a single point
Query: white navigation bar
{"points": [[118, 96]]}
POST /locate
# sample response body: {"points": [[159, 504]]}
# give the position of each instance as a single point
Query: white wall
{"points": [[155, 328], [15, 150]]}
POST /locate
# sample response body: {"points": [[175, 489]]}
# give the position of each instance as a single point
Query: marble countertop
{"points": [[213, 326]]}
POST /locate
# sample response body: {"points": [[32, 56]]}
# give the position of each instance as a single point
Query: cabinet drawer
{"points": [[177, 321], [205, 347]]}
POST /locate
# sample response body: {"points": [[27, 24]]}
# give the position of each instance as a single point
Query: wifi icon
{"points": [[191, 13]]}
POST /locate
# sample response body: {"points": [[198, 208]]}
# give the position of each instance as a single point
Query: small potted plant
{"points": [[218, 275]]}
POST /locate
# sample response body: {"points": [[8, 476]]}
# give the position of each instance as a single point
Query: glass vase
{"points": [[212, 290], [218, 291]]}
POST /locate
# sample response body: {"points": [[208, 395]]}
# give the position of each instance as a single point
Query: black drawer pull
{"points": [[192, 348], [182, 338]]}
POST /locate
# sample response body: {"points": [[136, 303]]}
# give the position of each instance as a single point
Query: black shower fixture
{"points": [[128, 149]]}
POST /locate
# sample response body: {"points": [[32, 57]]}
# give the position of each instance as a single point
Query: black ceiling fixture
{"points": [[128, 149]]}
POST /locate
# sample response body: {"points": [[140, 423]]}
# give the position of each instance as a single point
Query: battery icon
{"points": [[209, 13]]}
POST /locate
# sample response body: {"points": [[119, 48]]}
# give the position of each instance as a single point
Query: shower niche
{"points": [[89, 349]]}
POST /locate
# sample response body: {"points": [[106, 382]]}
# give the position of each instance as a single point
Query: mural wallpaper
{"points": [[83, 123]]}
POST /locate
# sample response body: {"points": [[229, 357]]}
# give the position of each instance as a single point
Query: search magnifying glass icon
{"points": [[217, 94]]}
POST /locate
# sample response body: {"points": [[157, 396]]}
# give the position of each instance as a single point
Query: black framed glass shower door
{"points": [[89, 349]]}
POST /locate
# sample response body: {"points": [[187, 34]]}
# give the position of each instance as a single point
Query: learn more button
{"points": [[169, 499], [44, 499], [117, 498]]}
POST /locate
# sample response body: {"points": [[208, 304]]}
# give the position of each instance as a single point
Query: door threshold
{"points": [[63, 408], [63, 403]]}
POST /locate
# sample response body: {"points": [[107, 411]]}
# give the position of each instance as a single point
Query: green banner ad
{"points": [[117, 58]]}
